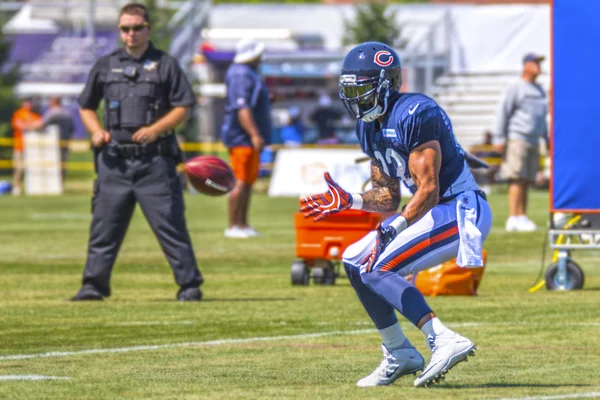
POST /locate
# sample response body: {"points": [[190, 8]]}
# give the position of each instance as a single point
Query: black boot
{"points": [[88, 293], [189, 294]]}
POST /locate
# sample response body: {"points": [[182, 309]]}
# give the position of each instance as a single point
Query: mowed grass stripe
{"points": [[189, 344]]}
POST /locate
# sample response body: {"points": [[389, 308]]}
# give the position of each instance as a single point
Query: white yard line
{"points": [[176, 345], [557, 397], [220, 342], [31, 378], [259, 339], [148, 323]]}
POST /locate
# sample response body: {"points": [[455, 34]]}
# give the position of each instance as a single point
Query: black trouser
{"points": [[152, 181]]}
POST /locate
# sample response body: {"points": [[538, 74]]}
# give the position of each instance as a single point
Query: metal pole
{"points": [[192, 30], [448, 34], [91, 29], [429, 58]]}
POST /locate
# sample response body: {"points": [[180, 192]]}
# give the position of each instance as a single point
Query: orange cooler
{"points": [[319, 244], [329, 238]]}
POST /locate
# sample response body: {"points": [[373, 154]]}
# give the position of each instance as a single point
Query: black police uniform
{"points": [[136, 93]]}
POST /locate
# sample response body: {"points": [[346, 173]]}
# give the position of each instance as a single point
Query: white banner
{"points": [[42, 162], [495, 38], [299, 172]]}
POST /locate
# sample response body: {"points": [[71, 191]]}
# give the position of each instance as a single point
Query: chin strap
{"points": [[385, 99], [385, 85]]}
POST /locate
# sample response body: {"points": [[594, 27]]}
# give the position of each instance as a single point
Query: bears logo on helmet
{"points": [[379, 61]]}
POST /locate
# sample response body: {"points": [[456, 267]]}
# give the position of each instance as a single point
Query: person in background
{"points": [[62, 118], [325, 117], [24, 118], [292, 132], [521, 122], [246, 128]]}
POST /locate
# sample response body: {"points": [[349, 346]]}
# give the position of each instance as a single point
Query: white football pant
{"points": [[431, 241]]}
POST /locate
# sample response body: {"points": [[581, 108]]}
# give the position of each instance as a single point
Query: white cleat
{"points": [[250, 231], [520, 224], [235, 233], [528, 225], [395, 364], [449, 348]]}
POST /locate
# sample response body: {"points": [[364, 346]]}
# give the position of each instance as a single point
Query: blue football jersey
{"points": [[412, 120]]}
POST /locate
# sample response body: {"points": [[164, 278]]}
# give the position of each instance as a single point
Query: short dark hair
{"points": [[135, 9]]}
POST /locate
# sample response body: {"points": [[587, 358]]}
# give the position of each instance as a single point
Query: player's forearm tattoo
{"points": [[385, 194]]}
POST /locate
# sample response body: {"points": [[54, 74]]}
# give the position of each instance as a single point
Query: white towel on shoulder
{"points": [[471, 241]]}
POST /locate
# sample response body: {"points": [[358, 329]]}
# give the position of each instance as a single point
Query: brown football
{"points": [[210, 175]]}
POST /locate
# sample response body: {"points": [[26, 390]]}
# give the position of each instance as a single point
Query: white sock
{"points": [[433, 328], [393, 338]]}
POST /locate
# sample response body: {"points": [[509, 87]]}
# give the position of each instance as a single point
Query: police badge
{"points": [[150, 65]]}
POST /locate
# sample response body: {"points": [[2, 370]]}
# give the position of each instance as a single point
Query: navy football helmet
{"points": [[370, 72]]}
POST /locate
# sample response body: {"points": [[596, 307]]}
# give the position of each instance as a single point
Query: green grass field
{"points": [[300, 342]]}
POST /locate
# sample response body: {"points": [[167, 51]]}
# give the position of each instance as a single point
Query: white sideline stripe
{"points": [[556, 397], [147, 323], [31, 378], [176, 345]]}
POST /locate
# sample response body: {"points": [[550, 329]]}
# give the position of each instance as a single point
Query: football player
{"points": [[409, 138]]}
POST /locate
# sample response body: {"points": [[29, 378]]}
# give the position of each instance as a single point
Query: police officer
{"points": [[146, 95]]}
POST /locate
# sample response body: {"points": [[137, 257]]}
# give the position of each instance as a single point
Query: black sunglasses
{"points": [[135, 28]]}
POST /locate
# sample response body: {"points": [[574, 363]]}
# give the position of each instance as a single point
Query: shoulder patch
{"points": [[389, 133]]}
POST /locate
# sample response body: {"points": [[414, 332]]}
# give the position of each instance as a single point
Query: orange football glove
{"points": [[321, 205]]}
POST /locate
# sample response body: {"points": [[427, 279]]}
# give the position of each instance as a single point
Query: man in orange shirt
{"points": [[23, 119]]}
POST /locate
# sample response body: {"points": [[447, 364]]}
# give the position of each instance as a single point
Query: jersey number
{"points": [[390, 155]]}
